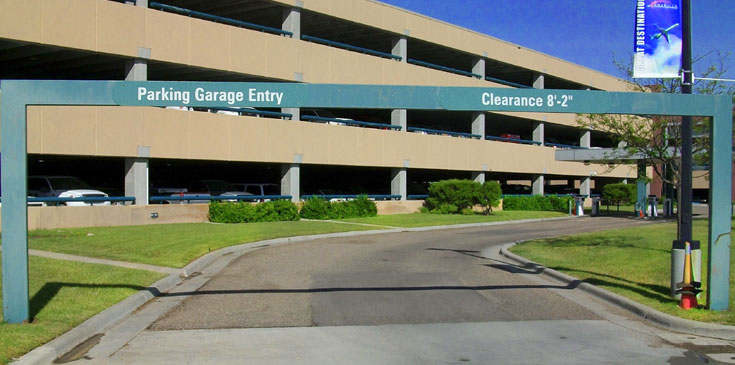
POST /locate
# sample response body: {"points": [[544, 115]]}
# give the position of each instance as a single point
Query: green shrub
{"points": [[287, 210], [315, 208], [452, 196], [318, 208], [265, 212], [459, 196], [623, 193], [362, 206], [243, 212], [537, 203]]}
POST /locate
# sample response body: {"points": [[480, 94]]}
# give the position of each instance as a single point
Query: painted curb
{"points": [[649, 314]]}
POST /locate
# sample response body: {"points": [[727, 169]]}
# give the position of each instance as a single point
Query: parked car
{"points": [[253, 189], [323, 114], [208, 187], [64, 187], [246, 110]]}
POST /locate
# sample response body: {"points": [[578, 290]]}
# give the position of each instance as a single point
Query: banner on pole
{"points": [[658, 34]]}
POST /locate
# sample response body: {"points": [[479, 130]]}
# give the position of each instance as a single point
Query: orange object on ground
{"points": [[688, 289]]}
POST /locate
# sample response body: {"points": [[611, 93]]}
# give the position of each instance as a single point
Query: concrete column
{"points": [[585, 139], [478, 176], [538, 185], [399, 182], [538, 132], [136, 179], [538, 81], [399, 117], [400, 48], [292, 21], [585, 186], [478, 124], [478, 67], [137, 69], [136, 169], [291, 181], [295, 112]]}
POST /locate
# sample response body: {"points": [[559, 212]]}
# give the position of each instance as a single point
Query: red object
{"points": [[688, 301]]}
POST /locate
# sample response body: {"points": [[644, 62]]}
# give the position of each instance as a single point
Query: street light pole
{"points": [[685, 200]]}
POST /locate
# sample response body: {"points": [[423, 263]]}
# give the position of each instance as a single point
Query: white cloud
{"points": [[665, 60]]}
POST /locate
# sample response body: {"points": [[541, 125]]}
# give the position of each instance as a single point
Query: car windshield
{"points": [[67, 183]]}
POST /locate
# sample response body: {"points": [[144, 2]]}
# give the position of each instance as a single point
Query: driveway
{"points": [[434, 296]]}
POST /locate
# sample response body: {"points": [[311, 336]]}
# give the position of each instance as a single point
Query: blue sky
{"points": [[589, 33]]}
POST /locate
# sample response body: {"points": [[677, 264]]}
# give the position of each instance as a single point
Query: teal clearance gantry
{"points": [[17, 95]]}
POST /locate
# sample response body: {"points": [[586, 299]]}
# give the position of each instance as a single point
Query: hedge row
{"points": [[285, 210], [318, 208], [242, 212], [537, 203]]}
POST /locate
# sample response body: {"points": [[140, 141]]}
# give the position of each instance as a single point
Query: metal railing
{"points": [[85, 199], [507, 83], [352, 196], [443, 68], [256, 112], [559, 145], [444, 133], [350, 122], [217, 19], [350, 47], [189, 198], [504, 139], [417, 196]]}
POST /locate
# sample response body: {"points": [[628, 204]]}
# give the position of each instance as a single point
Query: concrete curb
{"points": [[660, 319], [103, 321]]}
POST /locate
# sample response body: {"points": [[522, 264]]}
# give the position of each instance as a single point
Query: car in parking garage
{"points": [[201, 188], [253, 189], [321, 113], [64, 187]]}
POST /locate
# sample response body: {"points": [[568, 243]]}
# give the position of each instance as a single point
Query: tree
{"points": [[658, 139]]}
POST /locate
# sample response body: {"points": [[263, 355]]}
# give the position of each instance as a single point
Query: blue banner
{"points": [[658, 34]]}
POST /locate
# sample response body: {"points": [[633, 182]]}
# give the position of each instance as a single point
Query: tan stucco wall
{"points": [[114, 215], [399, 21], [115, 28], [388, 207], [118, 215], [118, 131]]}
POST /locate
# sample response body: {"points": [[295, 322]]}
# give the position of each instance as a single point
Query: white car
{"points": [[321, 113], [253, 189], [64, 187]]}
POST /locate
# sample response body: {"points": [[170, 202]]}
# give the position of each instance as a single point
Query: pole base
{"points": [[688, 301]]}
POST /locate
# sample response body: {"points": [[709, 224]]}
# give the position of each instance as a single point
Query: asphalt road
{"points": [[413, 297], [399, 278]]}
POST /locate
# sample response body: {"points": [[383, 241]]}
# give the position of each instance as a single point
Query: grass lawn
{"points": [[176, 245], [65, 294], [424, 220], [173, 245], [633, 262]]}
